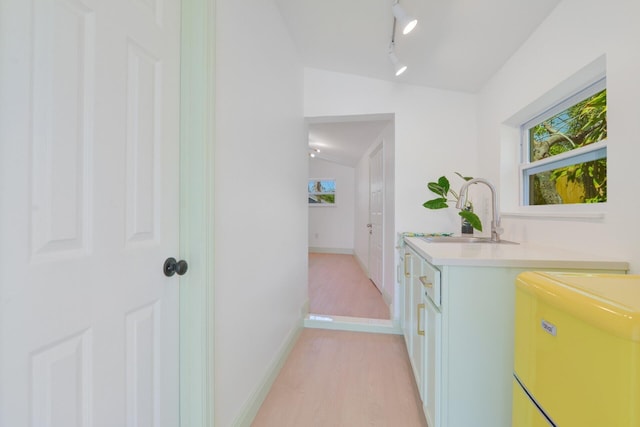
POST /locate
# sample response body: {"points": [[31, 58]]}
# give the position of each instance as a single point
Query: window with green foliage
{"points": [[322, 192], [565, 151]]}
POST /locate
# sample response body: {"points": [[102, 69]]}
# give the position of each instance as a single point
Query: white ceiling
{"points": [[457, 45], [344, 140]]}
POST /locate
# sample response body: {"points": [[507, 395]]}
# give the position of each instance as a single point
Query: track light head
{"points": [[398, 66], [406, 22]]}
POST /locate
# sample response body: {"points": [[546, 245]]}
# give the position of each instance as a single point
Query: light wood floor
{"points": [[339, 287], [344, 379]]}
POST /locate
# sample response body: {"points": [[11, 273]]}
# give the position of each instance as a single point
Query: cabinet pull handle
{"points": [[420, 307], [423, 280], [406, 268]]}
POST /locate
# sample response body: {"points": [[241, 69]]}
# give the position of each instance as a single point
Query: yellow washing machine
{"points": [[577, 350]]}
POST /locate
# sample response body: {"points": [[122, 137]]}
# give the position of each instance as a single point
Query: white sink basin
{"points": [[464, 239]]}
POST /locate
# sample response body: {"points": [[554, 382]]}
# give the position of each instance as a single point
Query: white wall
{"points": [[435, 134], [331, 227], [577, 33], [260, 202]]}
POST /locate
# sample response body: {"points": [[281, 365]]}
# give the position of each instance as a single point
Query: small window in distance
{"points": [[322, 192], [565, 151]]}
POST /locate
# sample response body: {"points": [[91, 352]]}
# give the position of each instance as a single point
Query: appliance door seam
{"points": [[534, 401]]}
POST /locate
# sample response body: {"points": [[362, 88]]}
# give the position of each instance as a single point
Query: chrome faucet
{"points": [[496, 230]]}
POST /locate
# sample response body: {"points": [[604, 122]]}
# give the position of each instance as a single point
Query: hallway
{"points": [[344, 379], [338, 286]]}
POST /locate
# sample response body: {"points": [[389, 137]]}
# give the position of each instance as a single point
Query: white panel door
{"points": [[88, 212], [376, 200]]}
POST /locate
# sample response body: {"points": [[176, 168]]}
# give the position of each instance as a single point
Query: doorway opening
{"points": [[351, 239]]}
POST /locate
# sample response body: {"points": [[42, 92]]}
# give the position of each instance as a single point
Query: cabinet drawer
{"points": [[430, 279]]}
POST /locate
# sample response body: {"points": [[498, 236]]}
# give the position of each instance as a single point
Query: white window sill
{"points": [[588, 216]]}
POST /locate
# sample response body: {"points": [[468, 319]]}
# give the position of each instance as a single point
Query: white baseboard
{"points": [[341, 251], [251, 408], [356, 324], [304, 310], [387, 298], [363, 266]]}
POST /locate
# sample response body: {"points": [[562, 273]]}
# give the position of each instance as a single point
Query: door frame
{"points": [[197, 133], [378, 148]]}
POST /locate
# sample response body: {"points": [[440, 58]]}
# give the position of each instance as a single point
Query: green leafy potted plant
{"points": [[442, 189]]}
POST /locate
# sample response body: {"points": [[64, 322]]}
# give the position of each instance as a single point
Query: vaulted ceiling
{"points": [[344, 140], [457, 44]]}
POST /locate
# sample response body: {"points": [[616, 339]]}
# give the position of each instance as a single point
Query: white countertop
{"points": [[509, 255]]}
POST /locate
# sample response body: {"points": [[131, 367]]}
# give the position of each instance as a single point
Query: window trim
{"points": [[594, 151]]}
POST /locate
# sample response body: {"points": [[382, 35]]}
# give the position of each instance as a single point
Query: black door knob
{"points": [[171, 267]]}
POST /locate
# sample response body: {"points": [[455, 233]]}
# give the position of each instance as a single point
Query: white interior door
{"points": [[88, 212], [376, 200]]}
